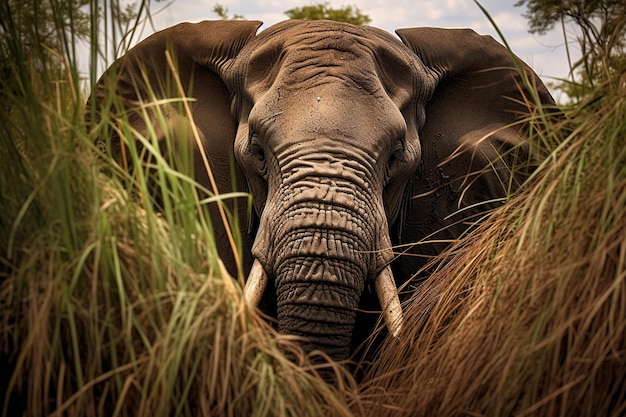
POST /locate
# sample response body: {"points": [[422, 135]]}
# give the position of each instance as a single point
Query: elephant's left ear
{"points": [[473, 132], [478, 78]]}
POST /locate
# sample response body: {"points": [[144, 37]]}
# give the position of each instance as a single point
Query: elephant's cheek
{"points": [[317, 300]]}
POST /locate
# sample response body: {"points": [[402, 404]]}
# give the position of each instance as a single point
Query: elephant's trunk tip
{"points": [[385, 290]]}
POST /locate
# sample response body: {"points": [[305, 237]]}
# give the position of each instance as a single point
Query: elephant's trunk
{"points": [[385, 289], [321, 257], [317, 300], [323, 253]]}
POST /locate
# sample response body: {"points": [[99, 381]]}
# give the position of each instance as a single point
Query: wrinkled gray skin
{"points": [[344, 137]]}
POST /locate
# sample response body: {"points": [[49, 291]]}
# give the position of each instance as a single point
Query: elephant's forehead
{"points": [[313, 53], [328, 111], [330, 57], [345, 44]]}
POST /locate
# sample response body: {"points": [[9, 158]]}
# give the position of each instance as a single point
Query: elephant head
{"points": [[351, 142]]}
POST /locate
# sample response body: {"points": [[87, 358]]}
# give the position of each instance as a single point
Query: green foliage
{"points": [[31, 34], [41, 23], [222, 12], [45, 34], [543, 15], [323, 11], [600, 28]]}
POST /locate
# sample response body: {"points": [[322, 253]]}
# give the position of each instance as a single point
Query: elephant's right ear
{"points": [[208, 46], [139, 97], [201, 53]]}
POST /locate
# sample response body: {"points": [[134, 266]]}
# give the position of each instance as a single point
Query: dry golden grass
{"points": [[528, 318]]}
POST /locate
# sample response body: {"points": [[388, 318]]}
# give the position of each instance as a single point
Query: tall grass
{"points": [[108, 306], [528, 317], [111, 307]]}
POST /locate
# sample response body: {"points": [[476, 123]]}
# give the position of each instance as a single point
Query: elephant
{"points": [[365, 154]]}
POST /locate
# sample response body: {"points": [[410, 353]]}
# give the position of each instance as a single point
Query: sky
{"points": [[545, 54]]}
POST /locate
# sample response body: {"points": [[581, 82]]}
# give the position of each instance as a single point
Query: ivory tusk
{"points": [[256, 284], [389, 301]]}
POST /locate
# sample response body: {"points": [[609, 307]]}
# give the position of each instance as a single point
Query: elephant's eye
{"points": [[255, 149], [396, 156], [256, 153]]}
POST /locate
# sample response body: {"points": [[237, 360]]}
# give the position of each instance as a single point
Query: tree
{"points": [[222, 12], [35, 41], [35, 34], [348, 14], [39, 23], [601, 36]]}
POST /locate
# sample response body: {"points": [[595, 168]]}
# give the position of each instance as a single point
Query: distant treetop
{"points": [[599, 30], [323, 11]]}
